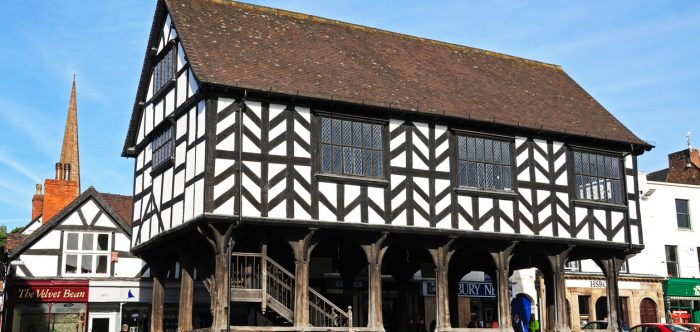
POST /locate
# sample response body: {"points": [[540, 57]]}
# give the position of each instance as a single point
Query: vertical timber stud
{"points": [[501, 259], [441, 257], [375, 253], [158, 271], [186, 294], [302, 252], [611, 270], [220, 240], [561, 315]]}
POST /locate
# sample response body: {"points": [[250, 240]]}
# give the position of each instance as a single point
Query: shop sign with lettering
{"points": [[49, 292], [469, 289]]}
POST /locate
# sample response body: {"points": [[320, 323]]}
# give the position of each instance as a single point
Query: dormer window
{"points": [[164, 70]]}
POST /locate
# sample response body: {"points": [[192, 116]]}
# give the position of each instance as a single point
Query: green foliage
{"points": [[3, 235]]}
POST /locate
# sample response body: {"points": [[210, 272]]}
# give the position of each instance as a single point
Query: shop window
{"points": [[682, 213], [584, 309], [352, 148], [484, 163], [86, 253], [672, 261], [598, 177]]}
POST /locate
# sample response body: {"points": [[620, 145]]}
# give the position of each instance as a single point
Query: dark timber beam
{"points": [[501, 259], [186, 294], [220, 240], [302, 248], [375, 253], [561, 315], [611, 270], [441, 257]]}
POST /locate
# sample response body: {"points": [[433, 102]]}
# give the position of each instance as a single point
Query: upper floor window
{"points": [[164, 70], [573, 266], [86, 253], [624, 268], [672, 261], [163, 147], [598, 177], [484, 163], [351, 148], [682, 213]]}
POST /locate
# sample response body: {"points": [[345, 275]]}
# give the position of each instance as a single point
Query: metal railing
{"points": [[323, 313]]}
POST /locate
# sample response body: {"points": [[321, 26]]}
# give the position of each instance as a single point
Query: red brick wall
{"points": [[684, 167], [57, 194], [37, 205]]}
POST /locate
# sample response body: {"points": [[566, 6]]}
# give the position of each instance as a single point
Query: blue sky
{"points": [[640, 59]]}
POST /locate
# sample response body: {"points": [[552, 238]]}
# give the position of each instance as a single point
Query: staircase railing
{"points": [[258, 271], [323, 313], [280, 284]]}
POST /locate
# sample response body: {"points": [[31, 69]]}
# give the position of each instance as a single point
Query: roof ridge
{"points": [[371, 29]]}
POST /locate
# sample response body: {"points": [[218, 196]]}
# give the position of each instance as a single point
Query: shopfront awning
{"points": [[682, 288]]}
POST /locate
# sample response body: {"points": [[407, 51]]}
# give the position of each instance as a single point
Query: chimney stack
{"points": [[684, 167], [37, 203], [66, 172], [59, 171]]}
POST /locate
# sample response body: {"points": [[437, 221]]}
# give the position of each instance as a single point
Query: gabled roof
{"points": [[88, 194], [230, 44]]}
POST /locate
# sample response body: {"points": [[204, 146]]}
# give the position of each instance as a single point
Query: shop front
{"points": [[476, 302], [682, 298], [47, 305]]}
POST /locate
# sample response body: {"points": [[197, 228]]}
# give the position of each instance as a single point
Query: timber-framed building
{"points": [[317, 174]]}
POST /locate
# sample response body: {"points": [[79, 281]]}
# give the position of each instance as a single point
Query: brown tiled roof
{"points": [[121, 205], [263, 49], [14, 240]]}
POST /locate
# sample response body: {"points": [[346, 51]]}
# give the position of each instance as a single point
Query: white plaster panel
{"points": [[50, 240], [167, 185], [169, 103], [189, 203], [180, 56], [199, 197], [192, 85], [121, 242], [105, 221], [177, 214], [201, 111], [158, 113], [192, 125], [73, 219], [190, 166], [181, 127], [41, 265]]}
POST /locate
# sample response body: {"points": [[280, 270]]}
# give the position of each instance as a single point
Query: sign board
{"points": [[45, 291], [469, 289]]}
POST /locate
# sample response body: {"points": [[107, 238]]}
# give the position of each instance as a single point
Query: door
{"points": [[101, 323], [647, 311]]}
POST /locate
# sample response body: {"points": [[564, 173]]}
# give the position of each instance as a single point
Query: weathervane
{"points": [[688, 137]]}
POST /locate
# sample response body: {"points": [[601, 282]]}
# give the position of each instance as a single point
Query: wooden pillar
{"points": [[375, 252], [158, 298], [441, 257], [501, 259], [611, 270], [302, 251], [560, 314], [186, 295], [219, 237]]}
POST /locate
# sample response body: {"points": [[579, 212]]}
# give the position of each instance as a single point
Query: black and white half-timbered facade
{"points": [[318, 173]]}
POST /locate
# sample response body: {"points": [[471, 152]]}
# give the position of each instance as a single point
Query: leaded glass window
{"points": [[162, 147], [484, 163], [351, 147], [164, 70], [598, 177]]}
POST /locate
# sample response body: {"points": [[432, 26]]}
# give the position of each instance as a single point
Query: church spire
{"points": [[69, 151]]}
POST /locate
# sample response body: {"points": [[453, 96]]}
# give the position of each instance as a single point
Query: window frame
{"points": [[675, 262], [79, 253], [572, 266], [571, 159], [169, 47], [499, 193], [317, 155], [168, 125], [687, 214]]}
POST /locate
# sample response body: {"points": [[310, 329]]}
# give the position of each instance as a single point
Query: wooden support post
{"points": [[561, 315], [158, 300], [263, 268], [611, 270], [375, 252], [302, 250], [219, 238], [186, 294], [441, 257], [501, 259]]}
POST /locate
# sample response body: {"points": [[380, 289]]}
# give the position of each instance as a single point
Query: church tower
{"points": [[65, 186]]}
